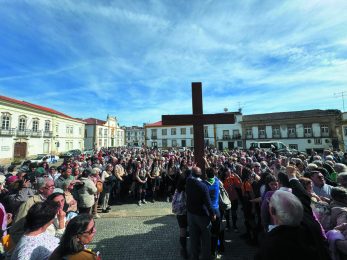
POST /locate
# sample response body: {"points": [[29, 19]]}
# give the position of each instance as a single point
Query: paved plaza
{"points": [[150, 232]]}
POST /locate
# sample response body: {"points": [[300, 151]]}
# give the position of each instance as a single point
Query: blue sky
{"points": [[136, 59]]}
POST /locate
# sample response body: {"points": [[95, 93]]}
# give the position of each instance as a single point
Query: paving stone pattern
{"points": [[150, 232]]}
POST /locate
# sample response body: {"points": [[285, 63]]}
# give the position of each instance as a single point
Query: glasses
{"points": [[49, 187], [91, 231]]}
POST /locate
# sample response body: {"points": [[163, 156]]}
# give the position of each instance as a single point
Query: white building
{"points": [[28, 129], [101, 133], [218, 135], [301, 130], [134, 136]]}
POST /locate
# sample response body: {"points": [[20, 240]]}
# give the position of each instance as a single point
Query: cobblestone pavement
{"points": [[150, 232]]}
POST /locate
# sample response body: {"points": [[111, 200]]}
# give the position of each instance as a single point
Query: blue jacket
{"points": [[198, 197], [214, 192]]}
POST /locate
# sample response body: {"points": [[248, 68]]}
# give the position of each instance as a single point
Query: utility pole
{"points": [[341, 94]]}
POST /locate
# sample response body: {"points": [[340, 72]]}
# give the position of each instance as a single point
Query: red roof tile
{"points": [[27, 104], [159, 123], [94, 121]]}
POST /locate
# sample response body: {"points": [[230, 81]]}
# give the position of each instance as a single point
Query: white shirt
{"points": [[38, 247]]}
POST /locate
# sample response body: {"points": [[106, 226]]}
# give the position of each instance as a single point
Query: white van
{"points": [[269, 145]]}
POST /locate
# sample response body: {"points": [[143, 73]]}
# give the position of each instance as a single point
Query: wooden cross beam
{"points": [[198, 119]]}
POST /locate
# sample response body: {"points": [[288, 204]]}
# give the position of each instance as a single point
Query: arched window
{"points": [[35, 124], [22, 123], [5, 121]]}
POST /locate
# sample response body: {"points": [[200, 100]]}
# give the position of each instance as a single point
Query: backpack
{"points": [[224, 201], [179, 203]]}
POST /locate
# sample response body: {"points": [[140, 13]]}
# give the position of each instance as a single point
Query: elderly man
{"points": [[200, 214], [45, 187], [322, 189], [287, 239]]}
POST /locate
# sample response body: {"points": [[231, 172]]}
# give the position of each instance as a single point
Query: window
{"points": [[173, 131], [80, 130], [236, 134], [345, 130], [105, 132], [67, 147], [22, 123], [164, 142], [291, 131], [163, 131], [239, 143], [100, 132], [183, 131], [47, 125], [174, 142], [5, 121], [100, 142], [249, 133], [56, 129], [307, 130], [317, 141], [261, 131], [105, 142], [324, 130], [293, 146], [276, 133], [226, 135], [205, 131], [191, 131], [35, 125], [153, 133]]}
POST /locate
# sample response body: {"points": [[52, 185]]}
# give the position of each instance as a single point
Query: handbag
{"points": [[224, 201], [99, 186]]}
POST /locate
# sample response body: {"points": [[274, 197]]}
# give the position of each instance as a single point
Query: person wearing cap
{"points": [[86, 191], [65, 175]]}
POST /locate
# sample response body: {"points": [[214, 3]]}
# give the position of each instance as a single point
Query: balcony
{"points": [[7, 132], [226, 137], [47, 134], [262, 136], [325, 134], [307, 134], [249, 136], [36, 133], [154, 137], [236, 136], [24, 132], [276, 136], [291, 135]]}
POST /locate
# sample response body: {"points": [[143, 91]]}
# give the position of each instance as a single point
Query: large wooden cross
{"points": [[198, 120]]}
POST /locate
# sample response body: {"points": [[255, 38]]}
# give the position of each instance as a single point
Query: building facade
{"points": [[300, 130], [134, 136], [28, 129], [218, 135], [100, 133]]}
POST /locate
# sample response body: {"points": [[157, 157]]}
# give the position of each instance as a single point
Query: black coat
{"points": [[288, 243]]}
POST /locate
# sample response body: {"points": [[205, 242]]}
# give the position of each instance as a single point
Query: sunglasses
{"points": [[91, 231]]}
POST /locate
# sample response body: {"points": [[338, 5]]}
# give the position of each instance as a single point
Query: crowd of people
{"points": [[298, 202]]}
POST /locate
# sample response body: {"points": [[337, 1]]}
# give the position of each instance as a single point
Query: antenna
{"points": [[341, 94]]}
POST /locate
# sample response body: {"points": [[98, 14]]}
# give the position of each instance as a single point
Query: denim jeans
{"points": [[200, 236]]}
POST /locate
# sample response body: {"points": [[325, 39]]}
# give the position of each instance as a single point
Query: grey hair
{"points": [[41, 182], [340, 167], [287, 208], [342, 179]]}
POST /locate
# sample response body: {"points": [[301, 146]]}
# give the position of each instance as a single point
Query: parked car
{"points": [[71, 153], [89, 152], [50, 158]]}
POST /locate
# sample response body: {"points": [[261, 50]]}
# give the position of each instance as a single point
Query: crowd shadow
{"points": [[154, 238]]}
